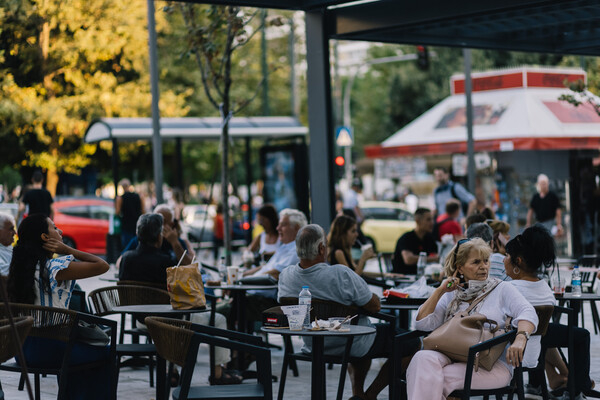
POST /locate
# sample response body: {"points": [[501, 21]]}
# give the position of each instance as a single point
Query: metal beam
{"points": [[320, 122]]}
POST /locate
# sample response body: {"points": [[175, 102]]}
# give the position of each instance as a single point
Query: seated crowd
{"points": [[482, 264]]}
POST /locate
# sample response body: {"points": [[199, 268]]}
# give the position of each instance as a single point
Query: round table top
{"points": [[584, 296], [243, 287], [355, 330], [157, 309]]}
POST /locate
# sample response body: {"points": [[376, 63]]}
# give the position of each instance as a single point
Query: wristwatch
{"points": [[527, 334]]}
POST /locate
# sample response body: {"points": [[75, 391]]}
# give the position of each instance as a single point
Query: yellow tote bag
{"points": [[184, 284]]}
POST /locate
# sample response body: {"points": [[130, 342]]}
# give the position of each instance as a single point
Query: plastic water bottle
{"points": [[576, 282], [421, 264], [304, 298], [222, 268]]}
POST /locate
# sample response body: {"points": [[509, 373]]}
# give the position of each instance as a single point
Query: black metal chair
{"points": [[8, 344], [60, 324], [589, 268], [323, 309], [177, 341]]}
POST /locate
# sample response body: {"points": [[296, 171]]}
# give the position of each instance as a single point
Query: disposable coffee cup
{"points": [[366, 247], [232, 275]]}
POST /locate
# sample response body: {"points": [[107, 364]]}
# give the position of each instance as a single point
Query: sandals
{"points": [[174, 378], [228, 377]]}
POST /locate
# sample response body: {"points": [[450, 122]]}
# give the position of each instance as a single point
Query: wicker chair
{"points": [[8, 346], [177, 341], [323, 309], [58, 324]]}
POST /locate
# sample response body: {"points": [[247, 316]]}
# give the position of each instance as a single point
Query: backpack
{"points": [[463, 205], [436, 228]]}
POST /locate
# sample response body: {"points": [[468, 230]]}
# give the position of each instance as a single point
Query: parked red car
{"points": [[84, 222]]}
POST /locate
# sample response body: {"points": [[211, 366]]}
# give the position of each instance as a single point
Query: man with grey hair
{"points": [[545, 205], [147, 263], [7, 237], [337, 283], [290, 222], [485, 232]]}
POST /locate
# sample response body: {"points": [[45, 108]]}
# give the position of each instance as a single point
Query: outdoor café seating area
{"points": [[134, 380]]}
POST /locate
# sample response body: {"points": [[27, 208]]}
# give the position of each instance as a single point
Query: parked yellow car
{"points": [[384, 222]]}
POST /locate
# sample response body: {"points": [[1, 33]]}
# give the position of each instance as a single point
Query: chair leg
{"points": [[151, 370], [342, 382], [21, 382], [294, 367], [595, 317]]}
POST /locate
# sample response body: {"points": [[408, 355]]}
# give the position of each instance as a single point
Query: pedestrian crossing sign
{"points": [[343, 136]]}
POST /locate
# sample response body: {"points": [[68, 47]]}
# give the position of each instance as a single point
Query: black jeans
{"points": [[557, 336]]}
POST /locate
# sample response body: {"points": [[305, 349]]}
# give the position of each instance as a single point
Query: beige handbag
{"points": [[185, 287], [464, 330]]}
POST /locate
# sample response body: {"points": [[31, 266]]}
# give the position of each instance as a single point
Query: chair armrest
{"points": [[379, 282], [233, 335], [379, 315], [571, 315]]}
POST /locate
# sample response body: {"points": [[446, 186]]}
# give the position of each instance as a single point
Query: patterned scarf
{"points": [[475, 289]]}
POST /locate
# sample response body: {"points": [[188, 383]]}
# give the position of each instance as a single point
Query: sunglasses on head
{"points": [[461, 241]]}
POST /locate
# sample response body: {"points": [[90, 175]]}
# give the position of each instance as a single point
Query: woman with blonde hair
{"points": [[433, 375], [341, 238]]}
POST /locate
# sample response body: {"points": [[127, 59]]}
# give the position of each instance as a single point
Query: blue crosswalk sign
{"points": [[343, 136]]}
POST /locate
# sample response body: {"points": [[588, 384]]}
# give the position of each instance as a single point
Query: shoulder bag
{"points": [[454, 337]]}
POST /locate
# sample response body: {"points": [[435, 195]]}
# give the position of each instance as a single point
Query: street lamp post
{"points": [[348, 95]]}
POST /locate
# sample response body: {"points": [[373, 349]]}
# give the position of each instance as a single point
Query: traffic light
{"points": [[422, 58], [340, 163]]}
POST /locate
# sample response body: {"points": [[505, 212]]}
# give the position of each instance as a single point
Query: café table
{"points": [[403, 307], [238, 293], [318, 364], [576, 303]]}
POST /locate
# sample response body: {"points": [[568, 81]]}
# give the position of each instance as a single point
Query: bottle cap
{"points": [[304, 287]]}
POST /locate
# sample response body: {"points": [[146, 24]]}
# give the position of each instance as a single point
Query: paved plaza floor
{"points": [[133, 382]]}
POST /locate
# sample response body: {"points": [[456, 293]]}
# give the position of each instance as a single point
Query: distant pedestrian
{"points": [[447, 190], [218, 232], [351, 198], [36, 200], [129, 207], [546, 207]]}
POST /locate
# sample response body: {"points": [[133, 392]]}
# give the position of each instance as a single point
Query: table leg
{"points": [[318, 369], [238, 299], [161, 371]]}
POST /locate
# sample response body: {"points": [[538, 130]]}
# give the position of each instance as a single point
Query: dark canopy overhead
{"points": [[545, 26]]}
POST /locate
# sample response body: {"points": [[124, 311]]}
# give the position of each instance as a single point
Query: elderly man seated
{"points": [[147, 263], [290, 222], [340, 284]]}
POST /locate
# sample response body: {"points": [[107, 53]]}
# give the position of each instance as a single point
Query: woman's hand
{"points": [[451, 283], [514, 354], [56, 246], [368, 253]]}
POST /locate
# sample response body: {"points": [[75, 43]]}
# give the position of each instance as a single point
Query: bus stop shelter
{"points": [[545, 26]]}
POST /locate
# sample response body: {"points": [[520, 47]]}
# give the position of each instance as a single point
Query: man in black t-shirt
{"points": [[36, 200], [546, 207], [408, 247]]}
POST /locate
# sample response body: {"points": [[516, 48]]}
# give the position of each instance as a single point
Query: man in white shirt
{"points": [[290, 222], [7, 236]]}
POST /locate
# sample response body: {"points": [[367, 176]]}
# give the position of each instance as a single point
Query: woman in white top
{"points": [[37, 278], [526, 255], [267, 243], [431, 374]]}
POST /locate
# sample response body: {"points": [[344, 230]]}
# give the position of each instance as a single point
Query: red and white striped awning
{"points": [[514, 109]]}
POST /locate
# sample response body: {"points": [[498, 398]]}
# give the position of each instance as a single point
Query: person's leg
{"points": [[424, 376], [454, 377], [556, 369], [358, 373]]}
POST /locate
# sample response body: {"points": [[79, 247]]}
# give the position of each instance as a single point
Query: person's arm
{"points": [[21, 211], [559, 226], [251, 271], [254, 244], [373, 305], [472, 205], [529, 217], [274, 273], [409, 257], [88, 265], [366, 255], [448, 285], [170, 235], [514, 354], [118, 204]]}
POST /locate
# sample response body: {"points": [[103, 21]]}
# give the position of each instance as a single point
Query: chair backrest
{"points": [[544, 314], [48, 322], [8, 345], [156, 285], [172, 338], [105, 299], [323, 309]]}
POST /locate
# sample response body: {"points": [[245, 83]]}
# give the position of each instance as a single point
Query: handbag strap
{"points": [[480, 299]]}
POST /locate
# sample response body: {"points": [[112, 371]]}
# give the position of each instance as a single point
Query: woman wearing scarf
{"points": [[431, 375]]}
